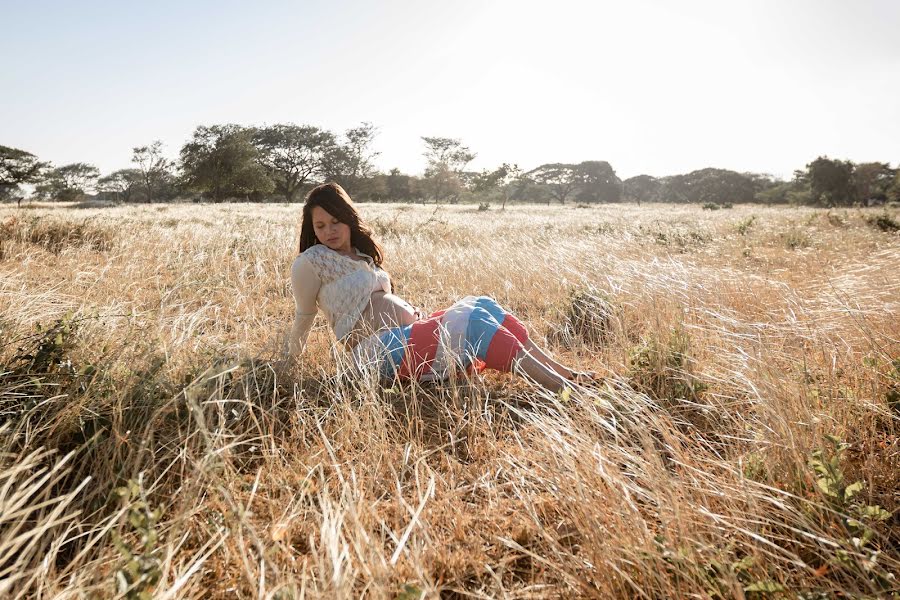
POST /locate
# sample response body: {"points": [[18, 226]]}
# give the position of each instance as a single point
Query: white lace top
{"points": [[338, 285]]}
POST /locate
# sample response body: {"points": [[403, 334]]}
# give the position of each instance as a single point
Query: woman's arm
{"points": [[305, 285], [388, 286]]}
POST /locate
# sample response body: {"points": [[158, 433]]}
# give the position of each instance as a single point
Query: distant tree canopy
{"points": [[711, 185], [503, 180], [830, 181], [872, 182], [590, 181], [18, 167], [642, 188], [68, 182], [399, 186], [719, 186], [156, 171], [122, 185], [824, 182], [292, 154], [350, 162], [554, 181], [445, 171], [221, 162], [226, 161], [597, 182]]}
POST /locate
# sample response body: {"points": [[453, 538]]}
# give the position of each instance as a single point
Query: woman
{"points": [[339, 271]]}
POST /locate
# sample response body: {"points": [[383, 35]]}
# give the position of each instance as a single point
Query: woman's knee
{"points": [[502, 351], [504, 318]]}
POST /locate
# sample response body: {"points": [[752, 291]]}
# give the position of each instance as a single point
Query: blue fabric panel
{"points": [[394, 340], [490, 305], [481, 329]]}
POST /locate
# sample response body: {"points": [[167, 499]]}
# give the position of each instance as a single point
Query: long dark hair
{"points": [[332, 198]]}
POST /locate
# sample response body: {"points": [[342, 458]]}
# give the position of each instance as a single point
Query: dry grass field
{"points": [[745, 442]]}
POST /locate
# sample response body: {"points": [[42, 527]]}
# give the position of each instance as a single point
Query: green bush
{"points": [[856, 522], [893, 394], [743, 226], [884, 222], [590, 315], [140, 568], [662, 369], [588, 318], [795, 239]]}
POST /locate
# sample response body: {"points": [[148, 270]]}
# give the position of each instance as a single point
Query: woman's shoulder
{"points": [[315, 251], [307, 261], [324, 262], [318, 255]]}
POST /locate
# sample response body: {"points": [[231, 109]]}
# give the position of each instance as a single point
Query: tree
{"points": [[499, 180], [795, 191], [121, 184], [221, 161], [558, 180], [447, 159], [871, 182], [893, 192], [398, 185], [18, 167], [68, 182], [830, 181], [350, 162], [154, 168], [292, 154], [376, 188], [642, 188], [711, 185], [597, 182]]}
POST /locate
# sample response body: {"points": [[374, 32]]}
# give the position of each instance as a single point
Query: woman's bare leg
{"points": [[537, 370], [541, 356], [564, 371]]}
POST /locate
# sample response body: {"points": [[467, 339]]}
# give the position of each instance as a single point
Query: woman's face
{"points": [[330, 231]]}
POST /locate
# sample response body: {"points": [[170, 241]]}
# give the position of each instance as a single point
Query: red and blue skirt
{"points": [[473, 334]]}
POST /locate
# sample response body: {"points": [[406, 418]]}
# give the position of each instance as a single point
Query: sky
{"points": [[652, 86]]}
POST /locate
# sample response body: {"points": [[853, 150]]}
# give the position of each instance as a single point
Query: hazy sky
{"points": [[652, 86]]}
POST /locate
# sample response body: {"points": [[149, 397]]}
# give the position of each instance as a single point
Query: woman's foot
{"points": [[584, 377]]}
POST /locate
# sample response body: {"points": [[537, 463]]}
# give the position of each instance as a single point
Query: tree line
{"points": [[280, 162]]}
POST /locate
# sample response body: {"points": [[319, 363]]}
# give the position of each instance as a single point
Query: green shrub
{"points": [[588, 318], [893, 394], [662, 369], [590, 315], [795, 239], [836, 220], [884, 222], [743, 226], [140, 569], [856, 522]]}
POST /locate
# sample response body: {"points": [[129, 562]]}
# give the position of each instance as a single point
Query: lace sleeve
{"points": [[305, 286], [384, 280]]}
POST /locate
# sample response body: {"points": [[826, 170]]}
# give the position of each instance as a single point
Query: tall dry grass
{"points": [[744, 443]]}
